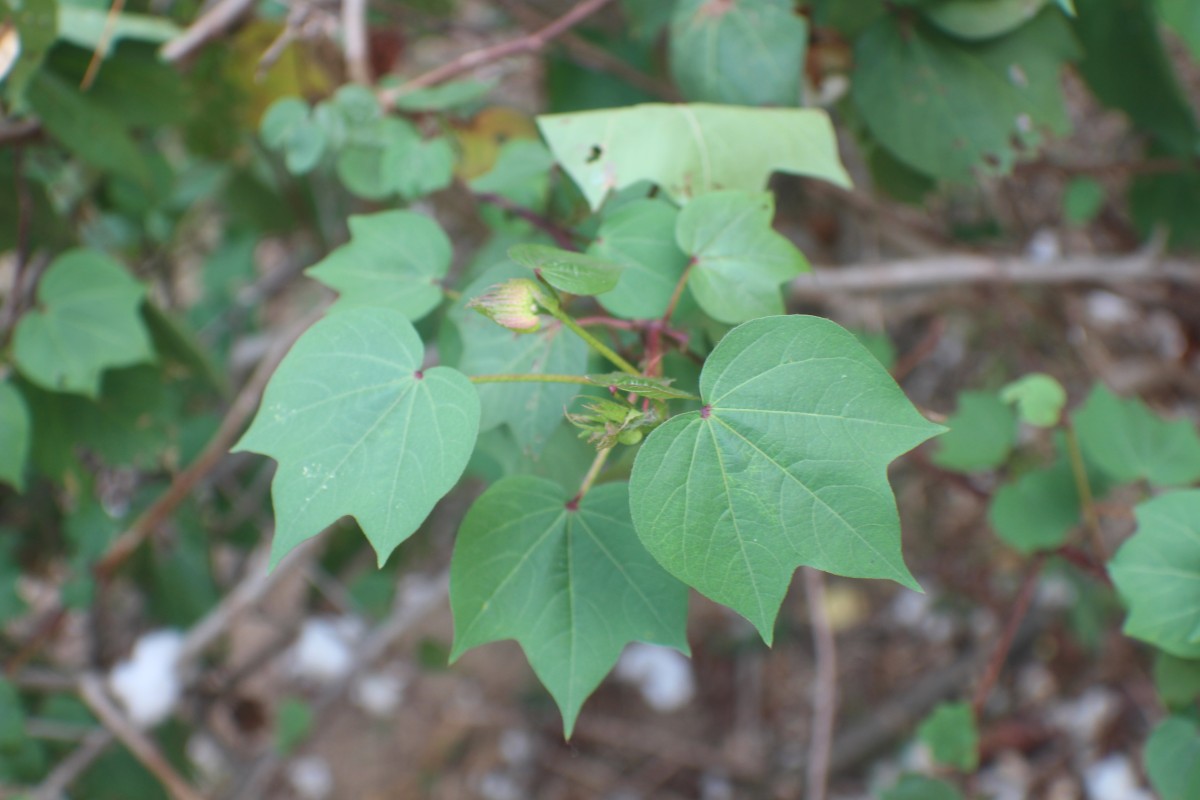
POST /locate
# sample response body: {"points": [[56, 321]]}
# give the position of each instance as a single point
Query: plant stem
{"points": [[825, 688], [590, 477], [531, 377], [1086, 501], [1017, 611], [675, 295], [597, 345]]}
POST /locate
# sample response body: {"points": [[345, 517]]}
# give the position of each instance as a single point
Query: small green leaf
{"points": [[640, 236], [952, 736], [571, 584], [785, 465], [288, 127], [566, 271], [738, 259], [521, 173], [395, 259], [97, 30], [652, 388], [86, 321], [982, 433], [918, 787], [1038, 510], [359, 428], [1157, 572], [1129, 442], [103, 142], [749, 54], [445, 96], [690, 150], [12, 716], [1082, 200], [1039, 399], [416, 167], [1173, 759], [293, 722], [1177, 679], [14, 437]]}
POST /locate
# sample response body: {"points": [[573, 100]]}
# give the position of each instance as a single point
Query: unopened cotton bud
{"points": [[513, 305]]}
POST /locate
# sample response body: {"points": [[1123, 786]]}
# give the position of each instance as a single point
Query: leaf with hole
{"points": [[566, 271], [738, 260], [86, 321], [748, 54], [359, 429], [570, 582], [394, 259], [1157, 572], [690, 150], [785, 465]]}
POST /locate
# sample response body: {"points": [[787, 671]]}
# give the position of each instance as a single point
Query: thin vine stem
{"points": [[1087, 501], [531, 377], [590, 478], [597, 345]]}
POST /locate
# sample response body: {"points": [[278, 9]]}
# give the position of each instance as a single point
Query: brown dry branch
{"points": [[473, 60], [354, 40], [208, 26], [970, 268]]}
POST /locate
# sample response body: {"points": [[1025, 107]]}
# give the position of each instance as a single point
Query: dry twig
{"points": [[354, 40], [207, 27], [825, 688]]}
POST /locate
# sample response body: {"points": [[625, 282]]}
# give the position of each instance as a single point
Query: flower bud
{"points": [[513, 305]]}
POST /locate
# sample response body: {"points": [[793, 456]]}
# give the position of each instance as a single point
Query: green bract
{"points": [[358, 428], [87, 321], [569, 272], [786, 465], [569, 581]]}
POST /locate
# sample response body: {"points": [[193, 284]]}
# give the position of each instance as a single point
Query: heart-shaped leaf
{"points": [[1157, 572], [640, 235], [86, 321], [569, 272], [394, 259], [786, 464], [358, 428], [738, 259], [573, 585], [1128, 442]]}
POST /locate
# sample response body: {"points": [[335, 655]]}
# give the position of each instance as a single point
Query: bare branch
{"points": [[354, 40], [825, 688], [207, 27], [468, 62]]}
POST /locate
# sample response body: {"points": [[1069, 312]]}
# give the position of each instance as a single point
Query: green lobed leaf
{"points": [[949, 108], [415, 167], [572, 585], [566, 271], [691, 149], [982, 433], [532, 410], [1176, 679], [952, 736], [640, 236], [1038, 510], [288, 126], [738, 53], [1157, 572], [972, 19], [738, 260], [15, 433], [919, 787], [394, 259], [1172, 757], [1039, 399], [786, 465], [359, 428], [86, 321], [1128, 442]]}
